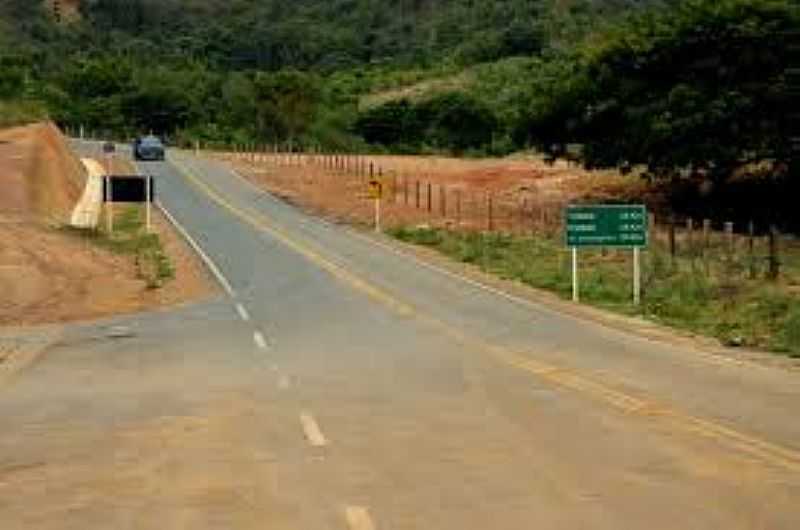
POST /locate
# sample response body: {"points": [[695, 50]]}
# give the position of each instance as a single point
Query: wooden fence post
{"points": [[652, 233], [729, 237], [490, 212], [458, 207], [417, 194], [430, 197], [751, 249], [672, 246], [774, 261], [442, 201], [523, 215]]}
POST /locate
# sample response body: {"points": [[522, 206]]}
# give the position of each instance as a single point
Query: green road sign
{"points": [[606, 225]]}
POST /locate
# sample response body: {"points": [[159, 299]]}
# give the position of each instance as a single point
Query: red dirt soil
{"points": [[48, 275], [525, 193]]}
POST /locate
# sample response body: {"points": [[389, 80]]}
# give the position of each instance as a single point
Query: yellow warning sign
{"points": [[375, 189]]}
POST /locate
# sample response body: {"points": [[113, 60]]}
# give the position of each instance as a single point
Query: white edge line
{"points": [[243, 312], [259, 339], [312, 431], [395, 250], [349, 231], [454, 275], [714, 358], [358, 518], [208, 261]]}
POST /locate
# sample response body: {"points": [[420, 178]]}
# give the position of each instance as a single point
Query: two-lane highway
{"points": [[340, 384]]}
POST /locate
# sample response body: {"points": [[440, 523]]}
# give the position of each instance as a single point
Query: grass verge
{"points": [[130, 239], [737, 310]]}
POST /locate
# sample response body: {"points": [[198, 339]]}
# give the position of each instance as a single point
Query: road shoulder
{"points": [[524, 294]]}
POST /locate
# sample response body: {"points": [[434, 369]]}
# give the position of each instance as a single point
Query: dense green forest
{"points": [[678, 87], [209, 68]]}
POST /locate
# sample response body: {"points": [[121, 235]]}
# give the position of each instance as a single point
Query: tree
{"points": [[457, 122], [392, 124], [695, 88], [286, 103]]}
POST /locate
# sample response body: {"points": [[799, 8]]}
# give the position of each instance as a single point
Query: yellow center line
{"points": [[769, 452]]}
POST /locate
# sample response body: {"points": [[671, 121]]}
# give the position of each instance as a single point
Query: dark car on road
{"points": [[148, 148]]}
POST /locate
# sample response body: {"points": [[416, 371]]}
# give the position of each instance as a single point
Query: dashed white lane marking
{"points": [[284, 382], [312, 431], [260, 341], [243, 312], [358, 518], [226, 285]]}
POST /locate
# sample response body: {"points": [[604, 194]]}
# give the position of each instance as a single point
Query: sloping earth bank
{"points": [[48, 275]]}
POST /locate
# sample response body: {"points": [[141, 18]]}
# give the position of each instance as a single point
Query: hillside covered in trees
{"points": [[174, 65], [678, 87], [324, 35]]}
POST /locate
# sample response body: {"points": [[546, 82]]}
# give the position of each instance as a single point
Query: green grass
{"points": [[129, 238], [720, 301]]}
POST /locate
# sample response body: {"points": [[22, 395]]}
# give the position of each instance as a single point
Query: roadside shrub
{"points": [[457, 122], [451, 121], [394, 123], [682, 298], [791, 331]]}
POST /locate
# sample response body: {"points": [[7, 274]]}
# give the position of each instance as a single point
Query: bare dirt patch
{"points": [[48, 275], [516, 193]]}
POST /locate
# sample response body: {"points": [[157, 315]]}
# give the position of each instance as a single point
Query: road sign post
{"points": [[109, 205], [617, 226], [148, 186], [375, 189], [576, 296], [108, 151], [128, 189], [637, 276]]}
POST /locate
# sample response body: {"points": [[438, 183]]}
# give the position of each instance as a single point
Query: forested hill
{"points": [[322, 34], [679, 87]]}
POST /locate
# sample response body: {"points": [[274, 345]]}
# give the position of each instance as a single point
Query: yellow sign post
{"points": [[375, 191]]}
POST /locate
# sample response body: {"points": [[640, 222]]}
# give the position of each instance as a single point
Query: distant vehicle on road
{"points": [[148, 148]]}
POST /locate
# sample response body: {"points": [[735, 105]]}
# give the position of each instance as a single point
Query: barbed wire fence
{"points": [[336, 184]]}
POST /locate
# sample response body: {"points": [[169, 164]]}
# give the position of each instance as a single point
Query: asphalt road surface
{"points": [[338, 384]]}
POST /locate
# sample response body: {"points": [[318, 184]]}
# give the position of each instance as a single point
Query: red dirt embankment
{"points": [[41, 178], [524, 191], [48, 275]]}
